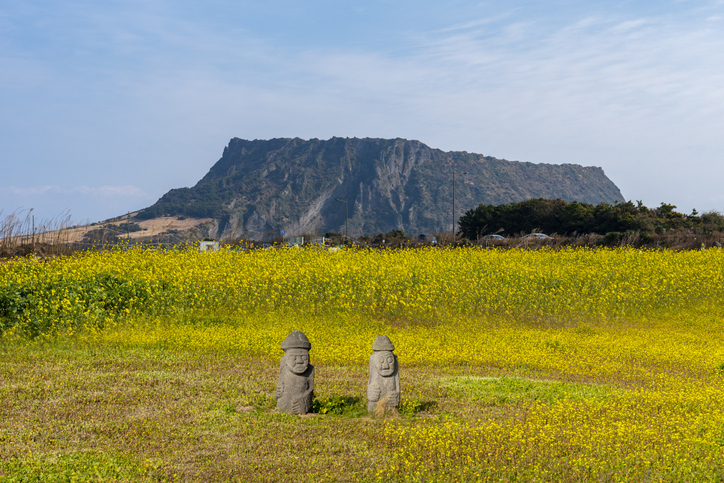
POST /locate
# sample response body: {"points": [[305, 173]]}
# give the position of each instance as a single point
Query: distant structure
{"points": [[208, 246]]}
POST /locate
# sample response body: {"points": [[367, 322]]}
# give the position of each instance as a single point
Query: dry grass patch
{"points": [[142, 414]]}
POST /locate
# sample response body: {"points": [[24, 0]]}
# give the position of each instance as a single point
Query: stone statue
{"points": [[383, 387], [295, 389]]}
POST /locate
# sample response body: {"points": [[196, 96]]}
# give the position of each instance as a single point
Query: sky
{"points": [[105, 106]]}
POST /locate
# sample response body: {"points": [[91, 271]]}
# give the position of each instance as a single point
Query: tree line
{"points": [[569, 218]]}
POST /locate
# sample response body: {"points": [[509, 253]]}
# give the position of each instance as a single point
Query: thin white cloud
{"points": [[636, 94], [100, 191], [125, 191], [478, 22], [30, 191], [629, 26]]}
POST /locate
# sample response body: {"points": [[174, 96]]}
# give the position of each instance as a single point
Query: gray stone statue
{"points": [[383, 387], [295, 389]]}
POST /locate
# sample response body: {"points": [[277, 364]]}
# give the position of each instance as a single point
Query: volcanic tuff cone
{"points": [[260, 187]]}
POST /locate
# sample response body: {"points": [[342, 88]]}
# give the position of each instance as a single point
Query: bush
{"points": [[347, 405], [712, 221], [559, 216]]}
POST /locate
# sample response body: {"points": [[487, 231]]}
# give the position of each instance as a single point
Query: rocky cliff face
{"points": [[258, 187]]}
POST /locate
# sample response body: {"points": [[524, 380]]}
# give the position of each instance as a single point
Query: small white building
{"points": [[208, 246], [318, 240]]}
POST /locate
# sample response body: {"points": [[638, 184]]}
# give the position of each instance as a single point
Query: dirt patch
{"points": [[156, 226], [149, 228]]}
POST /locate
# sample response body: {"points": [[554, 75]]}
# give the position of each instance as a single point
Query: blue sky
{"points": [[105, 106]]}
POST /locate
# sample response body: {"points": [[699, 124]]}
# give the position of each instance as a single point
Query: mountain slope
{"points": [[262, 186]]}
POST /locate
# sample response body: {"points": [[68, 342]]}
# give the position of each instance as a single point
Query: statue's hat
{"points": [[382, 343], [296, 340]]}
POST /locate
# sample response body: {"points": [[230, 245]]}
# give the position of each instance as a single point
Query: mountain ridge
{"points": [[291, 184]]}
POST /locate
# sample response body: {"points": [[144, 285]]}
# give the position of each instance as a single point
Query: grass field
{"points": [[516, 365]]}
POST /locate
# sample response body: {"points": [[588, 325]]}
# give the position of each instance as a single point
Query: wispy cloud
{"points": [[100, 191], [478, 22], [81, 202], [633, 91]]}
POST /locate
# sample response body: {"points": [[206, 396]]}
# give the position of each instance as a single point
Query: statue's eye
{"points": [[390, 359], [381, 359]]}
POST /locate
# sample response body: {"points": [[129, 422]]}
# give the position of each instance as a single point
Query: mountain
{"points": [[264, 186]]}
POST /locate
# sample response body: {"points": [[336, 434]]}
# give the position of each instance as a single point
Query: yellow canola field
{"points": [[413, 285], [637, 437], [644, 325], [559, 311]]}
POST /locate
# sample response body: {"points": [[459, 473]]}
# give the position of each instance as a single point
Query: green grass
{"points": [[110, 407], [498, 391], [72, 412], [75, 411], [73, 466]]}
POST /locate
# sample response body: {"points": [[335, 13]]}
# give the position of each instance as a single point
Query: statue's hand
{"points": [[296, 407], [374, 393], [280, 391]]}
